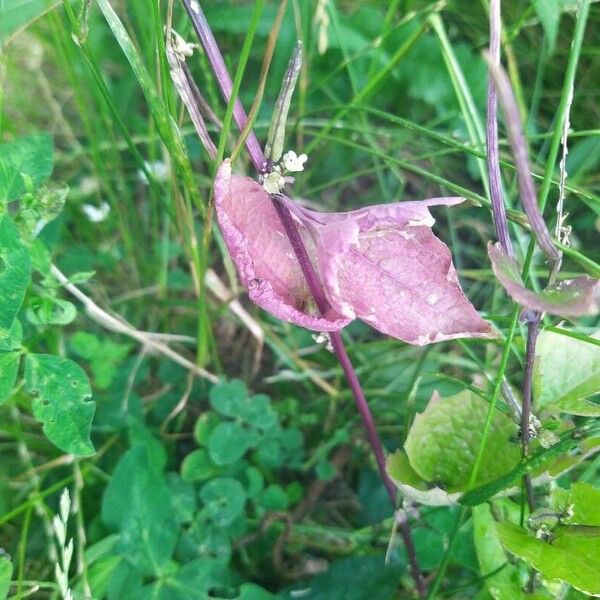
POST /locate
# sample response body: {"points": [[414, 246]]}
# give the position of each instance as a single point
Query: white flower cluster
{"points": [[275, 181]]}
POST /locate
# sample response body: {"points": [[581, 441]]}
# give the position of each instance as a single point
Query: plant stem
{"points": [[533, 329], [499, 212], [207, 39], [256, 155]]}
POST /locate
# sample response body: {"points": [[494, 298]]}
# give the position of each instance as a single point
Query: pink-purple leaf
{"points": [[575, 297], [381, 264], [384, 265], [262, 253]]}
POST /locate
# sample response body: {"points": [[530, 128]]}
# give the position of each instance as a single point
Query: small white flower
{"points": [[294, 163], [96, 214], [274, 182]]}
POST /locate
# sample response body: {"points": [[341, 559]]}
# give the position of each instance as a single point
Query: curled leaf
{"points": [[381, 264], [384, 265], [412, 486], [263, 255], [567, 298]]}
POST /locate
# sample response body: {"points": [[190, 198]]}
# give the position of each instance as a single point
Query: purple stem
{"points": [[217, 63], [499, 212], [512, 119], [258, 159]]}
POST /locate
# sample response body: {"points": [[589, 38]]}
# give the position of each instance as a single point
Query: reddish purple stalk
{"points": [[499, 82], [499, 212], [217, 63], [258, 159]]}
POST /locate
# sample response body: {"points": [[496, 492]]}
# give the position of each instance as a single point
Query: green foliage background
{"points": [[262, 485]]}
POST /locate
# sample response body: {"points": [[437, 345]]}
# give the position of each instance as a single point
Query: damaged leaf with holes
{"points": [[61, 390]]}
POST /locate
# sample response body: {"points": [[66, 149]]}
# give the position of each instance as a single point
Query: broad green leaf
{"points": [[505, 584], [229, 441], [444, 439], [6, 570], [224, 499], [15, 269], [9, 367], [137, 504], [572, 555], [61, 387], [580, 504], [567, 371], [30, 156]]}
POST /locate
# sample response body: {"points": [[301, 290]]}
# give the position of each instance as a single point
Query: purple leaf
{"points": [[567, 298], [262, 253], [384, 265]]}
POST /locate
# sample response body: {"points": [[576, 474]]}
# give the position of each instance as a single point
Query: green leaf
{"points": [[197, 466], [506, 583], [228, 442], [356, 578], [580, 504], [227, 396], [548, 12], [137, 503], [10, 339], [9, 367], [15, 270], [61, 387], [193, 581], [443, 441], [231, 399], [567, 371], [31, 156], [413, 486], [224, 499], [104, 355], [47, 310], [17, 14], [6, 570], [537, 463], [572, 555], [183, 498], [325, 470], [273, 498], [204, 425]]}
